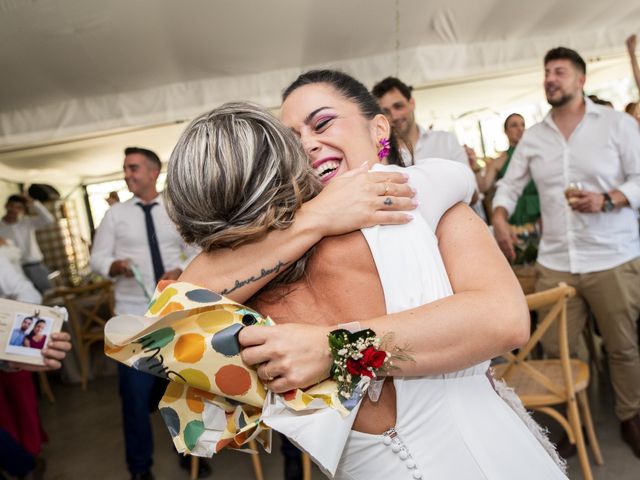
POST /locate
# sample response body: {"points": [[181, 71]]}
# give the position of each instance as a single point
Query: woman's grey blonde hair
{"points": [[235, 174]]}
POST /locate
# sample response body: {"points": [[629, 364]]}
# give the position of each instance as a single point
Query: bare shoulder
{"points": [[346, 250]]}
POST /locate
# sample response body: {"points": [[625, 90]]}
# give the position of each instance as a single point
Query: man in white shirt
{"points": [[137, 245], [14, 285], [397, 104], [416, 143], [585, 160], [21, 228]]}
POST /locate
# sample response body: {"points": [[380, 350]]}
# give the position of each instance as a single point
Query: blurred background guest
{"points": [[112, 198], [21, 229], [137, 245]]}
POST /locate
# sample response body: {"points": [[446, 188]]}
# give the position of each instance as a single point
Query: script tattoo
{"points": [[263, 273]]}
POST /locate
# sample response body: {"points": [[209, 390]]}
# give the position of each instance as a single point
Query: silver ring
{"points": [[388, 202]]}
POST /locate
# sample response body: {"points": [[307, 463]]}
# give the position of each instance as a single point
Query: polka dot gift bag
{"points": [[189, 337]]}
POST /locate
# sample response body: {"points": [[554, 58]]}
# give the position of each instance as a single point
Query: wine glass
{"points": [[572, 190]]}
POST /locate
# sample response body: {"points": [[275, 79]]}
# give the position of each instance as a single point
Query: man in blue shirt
{"points": [[18, 334]]}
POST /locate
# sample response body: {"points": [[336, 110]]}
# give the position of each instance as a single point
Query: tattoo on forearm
{"points": [[263, 273]]}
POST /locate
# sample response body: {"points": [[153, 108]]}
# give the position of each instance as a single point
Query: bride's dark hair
{"points": [[353, 90]]}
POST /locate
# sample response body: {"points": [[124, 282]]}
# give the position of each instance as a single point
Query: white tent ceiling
{"points": [[85, 78]]}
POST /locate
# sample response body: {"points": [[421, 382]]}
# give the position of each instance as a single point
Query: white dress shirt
{"points": [[122, 235], [23, 232], [435, 144], [438, 144], [603, 153], [14, 285]]}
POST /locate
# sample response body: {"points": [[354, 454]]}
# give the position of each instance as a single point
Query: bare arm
{"points": [[631, 48], [484, 318], [348, 203], [487, 179]]}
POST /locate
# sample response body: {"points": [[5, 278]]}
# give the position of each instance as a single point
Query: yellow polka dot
{"points": [[189, 348], [214, 321], [174, 391], [196, 378], [162, 300]]}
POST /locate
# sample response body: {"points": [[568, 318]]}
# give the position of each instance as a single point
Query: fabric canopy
{"points": [[83, 69]]}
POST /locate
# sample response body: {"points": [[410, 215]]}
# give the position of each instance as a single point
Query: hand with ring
{"points": [[289, 355], [359, 195]]}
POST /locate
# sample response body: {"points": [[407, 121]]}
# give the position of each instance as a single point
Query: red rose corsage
{"points": [[357, 358]]}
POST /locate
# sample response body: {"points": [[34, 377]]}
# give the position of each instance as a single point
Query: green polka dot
{"points": [[192, 433], [157, 339]]}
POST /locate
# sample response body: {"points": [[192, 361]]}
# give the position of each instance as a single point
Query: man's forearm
{"points": [[500, 214], [619, 199]]}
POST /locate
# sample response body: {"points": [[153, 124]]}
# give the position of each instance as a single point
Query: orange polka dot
{"points": [[195, 399], [189, 348], [233, 380], [172, 307], [162, 300], [111, 349], [195, 378], [223, 443], [162, 284], [174, 391], [241, 437]]}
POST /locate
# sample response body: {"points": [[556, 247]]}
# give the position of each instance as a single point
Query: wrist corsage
{"points": [[357, 359]]}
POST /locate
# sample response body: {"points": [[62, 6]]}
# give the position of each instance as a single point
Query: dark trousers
{"points": [[38, 273], [139, 394], [14, 459], [288, 449]]}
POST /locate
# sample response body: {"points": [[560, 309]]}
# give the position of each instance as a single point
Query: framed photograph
{"points": [[25, 330]]}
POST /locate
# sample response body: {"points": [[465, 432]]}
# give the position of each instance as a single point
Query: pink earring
{"points": [[385, 148]]}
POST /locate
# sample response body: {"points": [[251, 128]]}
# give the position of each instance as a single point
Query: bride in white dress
{"points": [[433, 424]]}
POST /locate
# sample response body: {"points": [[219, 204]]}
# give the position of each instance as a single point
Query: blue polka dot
{"points": [[151, 365], [203, 295], [242, 422], [171, 419], [226, 340]]}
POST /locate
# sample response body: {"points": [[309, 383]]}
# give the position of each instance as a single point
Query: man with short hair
{"points": [[397, 104], [585, 161], [18, 334], [417, 143], [21, 228], [137, 245]]}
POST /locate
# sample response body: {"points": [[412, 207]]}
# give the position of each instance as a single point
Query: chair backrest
{"points": [[556, 298], [89, 306]]}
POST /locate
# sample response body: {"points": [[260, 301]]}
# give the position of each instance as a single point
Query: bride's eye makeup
{"points": [[323, 122]]}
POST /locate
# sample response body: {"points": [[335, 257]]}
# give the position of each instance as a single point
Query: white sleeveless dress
{"points": [[450, 426]]}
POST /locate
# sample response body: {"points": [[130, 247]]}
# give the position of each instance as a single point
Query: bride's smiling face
{"points": [[334, 134]]}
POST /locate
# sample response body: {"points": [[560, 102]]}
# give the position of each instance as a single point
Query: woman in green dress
{"points": [[526, 215]]}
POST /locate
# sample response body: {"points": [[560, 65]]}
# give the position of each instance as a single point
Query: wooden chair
{"points": [[89, 309], [257, 465], [542, 384]]}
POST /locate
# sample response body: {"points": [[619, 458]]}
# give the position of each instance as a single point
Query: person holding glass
{"points": [[585, 160]]}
